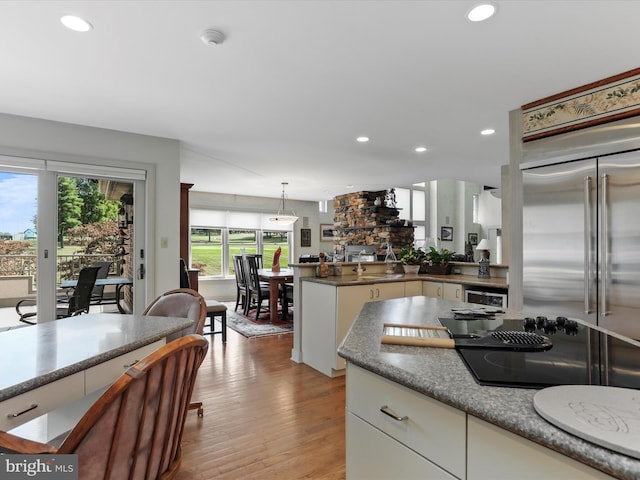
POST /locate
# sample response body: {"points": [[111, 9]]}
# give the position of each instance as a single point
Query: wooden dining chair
{"points": [[134, 429], [241, 283], [258, 291]]}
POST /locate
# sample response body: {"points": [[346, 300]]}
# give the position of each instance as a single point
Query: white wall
{"points": [[45, 139]]}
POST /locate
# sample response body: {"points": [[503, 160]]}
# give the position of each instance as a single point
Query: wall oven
{"points": [[492, 299]]}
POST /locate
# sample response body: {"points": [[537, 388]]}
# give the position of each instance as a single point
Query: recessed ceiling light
{"points": [[481, 12], [76, 24], [420, 149], [362, 139], [349, 186], [488, 131]]}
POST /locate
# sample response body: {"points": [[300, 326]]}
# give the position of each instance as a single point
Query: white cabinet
{"points": [[405, 420], [327, 315], [20, 409], [421, 438], [446, 291], [496, 453]]}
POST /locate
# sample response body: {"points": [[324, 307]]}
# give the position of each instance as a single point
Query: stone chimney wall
{"points": [[366, 218]]}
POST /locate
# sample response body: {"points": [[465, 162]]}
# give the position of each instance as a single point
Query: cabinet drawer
{"points": [[46, 398], [432, 429], [106, 373], [373, 455]]}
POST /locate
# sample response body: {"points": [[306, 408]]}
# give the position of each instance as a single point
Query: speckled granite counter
{"points": [[441, 374], [37, 355], [369, 279]]}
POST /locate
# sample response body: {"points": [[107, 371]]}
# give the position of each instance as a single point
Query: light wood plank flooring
{"points": [[265, 416]]}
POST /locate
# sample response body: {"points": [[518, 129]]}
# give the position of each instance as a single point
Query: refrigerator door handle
{"points": [[588, 228], [604, 252]]}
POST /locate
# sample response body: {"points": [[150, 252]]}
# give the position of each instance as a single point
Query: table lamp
{"points": [[483, 270]]}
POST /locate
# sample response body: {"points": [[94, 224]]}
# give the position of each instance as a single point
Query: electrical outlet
{"points": [[456, 270]]}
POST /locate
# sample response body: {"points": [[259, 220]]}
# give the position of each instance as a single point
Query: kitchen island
{"points": [[455, 428], [328, 306]]}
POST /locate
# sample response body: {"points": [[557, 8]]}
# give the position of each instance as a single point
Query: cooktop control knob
{"points": [[560, 321], [571, 327], [529, 324], [549, 326], [540, 321]]}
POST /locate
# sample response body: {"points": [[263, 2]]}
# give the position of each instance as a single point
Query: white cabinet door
{"points": [[373, 455], [496, 453], [432, 429], [413, 289], [350, 301], [432, 289], [452, 291]]}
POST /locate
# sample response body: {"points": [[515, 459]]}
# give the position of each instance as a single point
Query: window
{"points": [[270, 243], [206, 251], [213, 248]]}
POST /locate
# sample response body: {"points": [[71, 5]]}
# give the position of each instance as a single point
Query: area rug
{"points": [[250, 327]]}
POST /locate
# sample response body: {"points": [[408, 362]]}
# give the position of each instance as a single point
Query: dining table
{"points": [[285, 275], [119, 282]]}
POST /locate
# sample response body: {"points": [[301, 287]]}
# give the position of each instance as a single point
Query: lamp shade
{"points": [[282, 218], [484, 245]]}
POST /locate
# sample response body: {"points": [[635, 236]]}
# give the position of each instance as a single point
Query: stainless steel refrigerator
{"points": [[581, 240]]}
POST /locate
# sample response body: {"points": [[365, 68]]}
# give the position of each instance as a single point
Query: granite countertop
{"points": [[369, 279], [441, 374], [36, 355]]}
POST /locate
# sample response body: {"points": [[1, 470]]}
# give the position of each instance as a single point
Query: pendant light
{"points": [[282, 218]]}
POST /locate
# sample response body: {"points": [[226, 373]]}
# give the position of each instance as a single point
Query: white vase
{"points": [[411, 268]]}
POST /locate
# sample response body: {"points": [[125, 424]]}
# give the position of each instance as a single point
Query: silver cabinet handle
{"points": [[131, 364], [587, 245], [16, 415], [385, 409], [377, 293], [371, 294]]}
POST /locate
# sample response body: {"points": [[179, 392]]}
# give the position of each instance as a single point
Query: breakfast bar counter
{"points": [[440, 374], [47, 366]]}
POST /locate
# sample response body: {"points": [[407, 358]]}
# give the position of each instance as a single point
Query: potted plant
{"points": [[438, 261], [411, 258]]}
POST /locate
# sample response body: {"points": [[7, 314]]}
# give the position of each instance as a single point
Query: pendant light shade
{"points": [[282, 217]]}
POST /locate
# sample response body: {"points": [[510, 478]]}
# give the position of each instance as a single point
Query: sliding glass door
{"points": [[55, 219]]}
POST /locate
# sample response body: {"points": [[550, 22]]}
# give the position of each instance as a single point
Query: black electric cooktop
{"points": [[580, 355]]}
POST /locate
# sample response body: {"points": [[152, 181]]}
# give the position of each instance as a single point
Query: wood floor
{"points": [[265, 416]]}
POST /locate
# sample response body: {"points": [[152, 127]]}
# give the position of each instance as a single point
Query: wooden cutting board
{"points": [[606, 416]]}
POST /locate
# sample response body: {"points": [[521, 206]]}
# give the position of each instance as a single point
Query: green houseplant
{"points": [[438, 261], [411, 258]]}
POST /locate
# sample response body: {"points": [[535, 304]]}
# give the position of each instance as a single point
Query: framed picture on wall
{"points": [[473, 238], [305, 237], [326, 232], [446, 234]]}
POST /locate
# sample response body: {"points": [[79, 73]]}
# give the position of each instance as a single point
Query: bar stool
{"points": [[216, 309]]}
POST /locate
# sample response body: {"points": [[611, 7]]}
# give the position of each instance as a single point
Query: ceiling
{"points": [[283, 98]]}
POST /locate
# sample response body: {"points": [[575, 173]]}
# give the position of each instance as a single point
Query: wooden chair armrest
{"points": [[23, 445]]}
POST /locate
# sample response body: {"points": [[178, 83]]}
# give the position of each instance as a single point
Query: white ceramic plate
{"points": [[606, 416]]}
